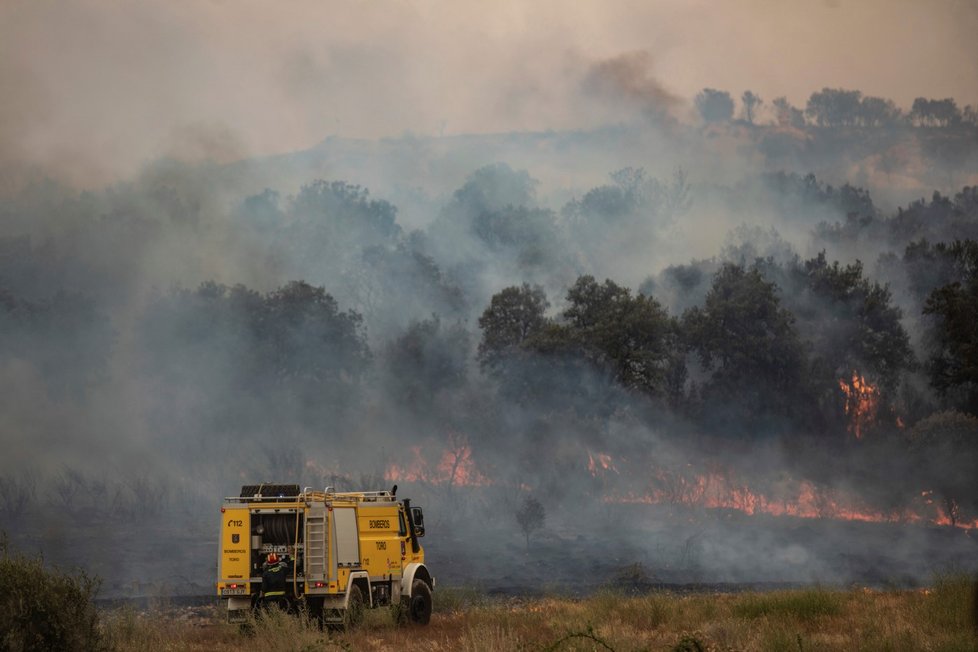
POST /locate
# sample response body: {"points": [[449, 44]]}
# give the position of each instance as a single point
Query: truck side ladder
{"points": [[316, 543]]}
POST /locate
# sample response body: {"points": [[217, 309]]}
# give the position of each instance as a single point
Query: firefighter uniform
{"points": [[274, 578]]}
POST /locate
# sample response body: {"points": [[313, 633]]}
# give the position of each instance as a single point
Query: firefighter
{"points": [[273, 580]]}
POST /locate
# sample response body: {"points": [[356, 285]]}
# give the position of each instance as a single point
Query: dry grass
{"points": [[938, 618]]}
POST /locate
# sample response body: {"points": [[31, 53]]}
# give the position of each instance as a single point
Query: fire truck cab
{"points": [[345, 552]]}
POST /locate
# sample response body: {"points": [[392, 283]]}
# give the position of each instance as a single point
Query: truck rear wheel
{"points": [[419, 604]]}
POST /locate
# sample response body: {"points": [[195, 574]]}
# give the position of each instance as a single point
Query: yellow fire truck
{"points": [[347, 552]]}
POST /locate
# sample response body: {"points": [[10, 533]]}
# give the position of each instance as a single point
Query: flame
{"points": [[600, 462], [717, 489], [455, 466], [861, 403], [948, 513]]}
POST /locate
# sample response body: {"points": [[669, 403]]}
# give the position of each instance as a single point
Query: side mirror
{"points": [[417, 517]]}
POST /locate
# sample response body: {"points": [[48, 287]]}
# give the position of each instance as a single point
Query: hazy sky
{"points": [[91, 90]]}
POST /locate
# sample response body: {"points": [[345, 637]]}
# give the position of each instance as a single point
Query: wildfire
{"points": [[599, 462], [861, 404], [454, 467], [948, 511], [801, 499], [712, 488]]}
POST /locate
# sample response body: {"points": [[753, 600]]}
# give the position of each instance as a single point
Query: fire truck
{"points": [[346, 552]]}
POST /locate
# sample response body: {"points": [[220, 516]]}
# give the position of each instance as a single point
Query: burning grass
{"points": [[936, 618]]}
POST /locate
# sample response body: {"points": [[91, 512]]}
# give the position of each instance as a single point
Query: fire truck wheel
{"points": [[419, 607], [354, 609]]}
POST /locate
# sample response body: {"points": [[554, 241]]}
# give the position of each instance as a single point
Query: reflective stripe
{"points": [[272, 594]]}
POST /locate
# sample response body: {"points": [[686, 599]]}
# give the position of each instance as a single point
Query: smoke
{"points": [[628, 77], [152, 386], [229, 302], [94, 90]]}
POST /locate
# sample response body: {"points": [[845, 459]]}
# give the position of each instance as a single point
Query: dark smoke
{"points": [[628, 77]]}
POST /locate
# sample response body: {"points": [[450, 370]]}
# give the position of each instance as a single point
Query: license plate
{"points": [[239, 591]]}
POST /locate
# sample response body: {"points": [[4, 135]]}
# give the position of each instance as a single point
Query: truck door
{"points": [[347, 537]]}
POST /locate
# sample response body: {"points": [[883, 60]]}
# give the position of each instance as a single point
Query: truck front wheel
{"points": [[419, 605]]}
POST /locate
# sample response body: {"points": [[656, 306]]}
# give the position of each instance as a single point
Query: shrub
{"points": [[44, 608], [690, 643]]}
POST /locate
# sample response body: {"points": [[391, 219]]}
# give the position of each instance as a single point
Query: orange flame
{"points": [[801, 499], [948, 513], [600, 462], [455, 467], [861, 404], [714, 488]]}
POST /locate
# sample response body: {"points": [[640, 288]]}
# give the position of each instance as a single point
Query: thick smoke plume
{"points": [[716, 346], [629, 77]]}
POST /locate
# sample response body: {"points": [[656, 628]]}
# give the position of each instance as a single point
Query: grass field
{"points": [[938, 618]]}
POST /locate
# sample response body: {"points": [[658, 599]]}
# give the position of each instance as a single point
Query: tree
{"points": [[492, 222], [878, 112], [796, 194], [611, 203], [714, 105], [493, 188], [850, 321], [394, 286], [624, 218], [294, 338], [935, 113], [307, 340], [329, 225], [751, 103], [834, 107], [633, 336], [849, 326], [425, 360], [339, 217], [787, 115], [67, 337], [969, 115], [513, 316], [530, 517], [631, 200], [530, 235], [953, 363], [742, 327], [338, 209], [17, 493], [261, 211], [748, 344], [945, 451], [68, 485]]}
